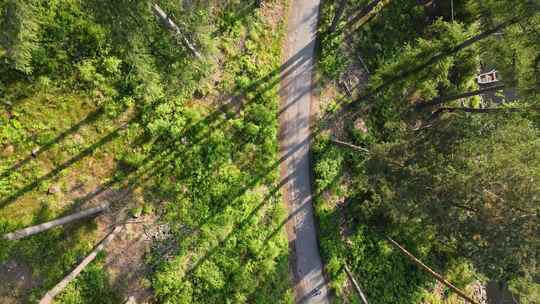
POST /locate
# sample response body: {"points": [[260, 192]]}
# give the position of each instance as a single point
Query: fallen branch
{"points": [[437, 276], [49, 296], [171, 25], [22, 233], [348, 145], [356, 285], [486, 110], [444, 99]]}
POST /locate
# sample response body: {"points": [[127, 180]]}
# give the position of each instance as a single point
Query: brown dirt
{"points": [[125, 255], [15, 282], [125, 263]]}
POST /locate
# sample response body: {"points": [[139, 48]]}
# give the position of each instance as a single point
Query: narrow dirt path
{"points": [[295, 112]]}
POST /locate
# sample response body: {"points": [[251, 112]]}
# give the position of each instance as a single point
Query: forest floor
{"points": [[62, 151], [295, 115]]}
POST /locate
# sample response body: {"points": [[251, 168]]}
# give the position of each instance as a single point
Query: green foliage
{"points": [[20, 29], [350, 234], [157, 129], [493, 162], [449, 76], [376, 42], [91, 287], [383, 38], [527, 289], [329, 166], [226, 214], [331, 62], [445, 185]]}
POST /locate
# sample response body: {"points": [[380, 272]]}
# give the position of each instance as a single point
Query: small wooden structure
{"points": [[488, 77]]}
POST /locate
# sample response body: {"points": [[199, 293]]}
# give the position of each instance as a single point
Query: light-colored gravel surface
{"points": [[296, 87]]}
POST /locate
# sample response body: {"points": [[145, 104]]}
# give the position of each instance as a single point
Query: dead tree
{"points": [[348, 145], [445, 99], [51, 294], [356, 285], [171, 26], [437, 276], [28, 231]]}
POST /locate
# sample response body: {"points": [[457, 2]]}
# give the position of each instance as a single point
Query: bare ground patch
{"points": [[16, 281]]}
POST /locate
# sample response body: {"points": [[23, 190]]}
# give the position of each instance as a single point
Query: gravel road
{"points": [[296, 103]]}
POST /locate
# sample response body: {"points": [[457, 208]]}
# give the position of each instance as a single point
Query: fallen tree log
{"points": [[171, 26], [437, 276], [356, 285], [49, 296], [28, 231], [349, 145]]}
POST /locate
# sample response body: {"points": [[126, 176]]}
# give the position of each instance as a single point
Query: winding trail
{"points": [[295, 114]]}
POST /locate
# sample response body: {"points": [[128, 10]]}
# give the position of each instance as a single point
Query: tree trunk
{"points": [[445, 99], [356, 286], [171, 25], [22, 233], [364, 12], [339, 13], [437, 276], [486, 110], [49, 296], [350, 146]]}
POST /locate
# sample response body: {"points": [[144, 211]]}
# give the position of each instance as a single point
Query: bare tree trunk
{"points": [[365, 11], [171, 25], [350, 146], [356, 286], [445, 99], [488, 110], [28, 231], [337, 16], [49, 296], [361, 149], [437, 276]]}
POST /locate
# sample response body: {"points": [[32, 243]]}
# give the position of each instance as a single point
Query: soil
{"points": [[125, 261], [16, 282]]}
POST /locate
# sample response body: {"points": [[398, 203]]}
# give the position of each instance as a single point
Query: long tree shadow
{"points": [[243, 224], [90, 118], [241, 191], [316, 195], [85, 153], [211, 121], [258, 88], [55, 243]]}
